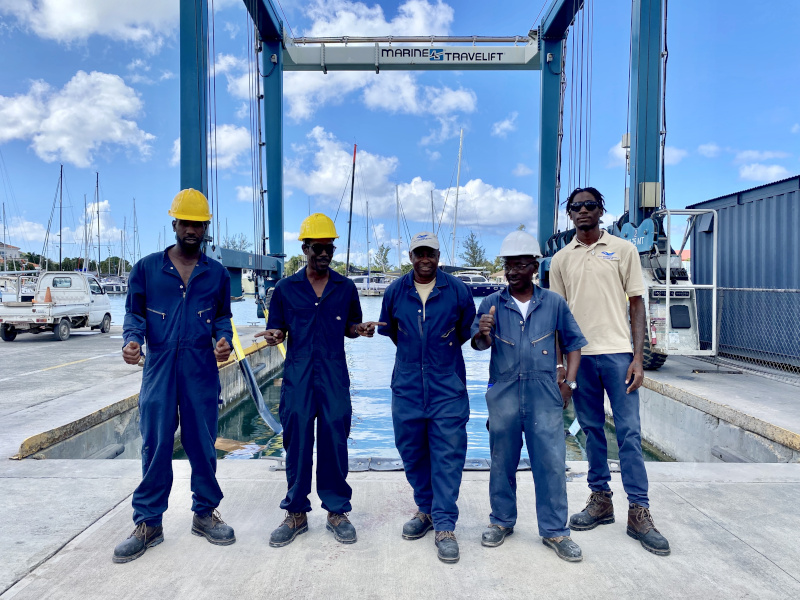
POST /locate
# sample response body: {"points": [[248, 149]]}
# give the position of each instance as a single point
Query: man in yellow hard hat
{"points": [[179, 302], [318, 308]]}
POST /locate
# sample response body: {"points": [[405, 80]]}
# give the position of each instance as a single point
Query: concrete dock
{"points": [[733, 527]]}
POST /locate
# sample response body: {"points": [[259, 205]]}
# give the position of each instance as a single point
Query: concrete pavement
{"points": [[732, 529]]}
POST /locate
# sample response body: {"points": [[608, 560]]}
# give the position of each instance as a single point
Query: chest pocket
{"points": [[543, 348], [205, 320], [156, 326]]}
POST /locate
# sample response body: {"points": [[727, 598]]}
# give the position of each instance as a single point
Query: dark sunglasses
{"points": [[320, 248], [589, 204]]}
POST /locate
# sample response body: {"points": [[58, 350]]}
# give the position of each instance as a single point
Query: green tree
{"points": [[406, 268], [291, 266], [381, 259], [237, 241], [474, 254]]}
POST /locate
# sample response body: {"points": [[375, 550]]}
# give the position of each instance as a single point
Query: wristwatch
{"points": [[573, 385]]}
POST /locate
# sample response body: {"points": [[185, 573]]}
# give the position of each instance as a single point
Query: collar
{"points": [[535, 301], [441, 279], [575, 244], [300, 276], [202, 260]]}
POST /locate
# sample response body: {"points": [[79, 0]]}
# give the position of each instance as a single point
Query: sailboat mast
{"points": [[60, 214], [97, 207], [350, 221], [5, 245], [433, 215], [85, 236], [458, 180], [399, 235], [136, 231]]}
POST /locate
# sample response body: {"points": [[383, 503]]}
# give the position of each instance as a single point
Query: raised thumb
{"points": [[491, 311]]}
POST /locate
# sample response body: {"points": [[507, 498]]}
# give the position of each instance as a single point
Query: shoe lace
{"points": [[445, 535], [216, 518], [337, 519], [422, 516], [595, 498], [292, 519], [642, 513], [140, 531]]}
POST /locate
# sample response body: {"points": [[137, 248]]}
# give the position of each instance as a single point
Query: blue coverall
{"points": [[523, 398], [316, 385], [430, 404], [180, 382]]}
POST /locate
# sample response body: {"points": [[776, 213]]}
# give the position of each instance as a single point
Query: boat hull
{"points": [[480, 290]]}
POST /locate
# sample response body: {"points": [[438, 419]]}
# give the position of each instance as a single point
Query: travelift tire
{"points": [[652, 360]]}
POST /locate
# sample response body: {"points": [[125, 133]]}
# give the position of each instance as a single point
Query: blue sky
{"points": [[93, 85]]}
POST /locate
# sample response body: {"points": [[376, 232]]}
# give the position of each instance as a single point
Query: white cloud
{"points": [[244, 193], [231, 143], [760, 172], [392, 91], [290, 236], [175, 160], [433, 155], [146, 23], [506, 126], [243, 111], [232, 29], [616, 156], [166, 74], [746, 156], [91, 112], [710, 150], [672, 156], [398, 92], [321, 169], [796, 128], [449, 127], [522, 170]]}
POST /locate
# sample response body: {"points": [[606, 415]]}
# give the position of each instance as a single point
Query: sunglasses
{"points": [[320, 248], [511, 268], [589, 204]]}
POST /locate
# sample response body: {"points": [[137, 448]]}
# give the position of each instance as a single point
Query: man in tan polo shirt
{"points": [[598, 273]]}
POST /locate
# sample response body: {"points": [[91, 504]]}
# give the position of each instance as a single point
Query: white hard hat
{"points": [[520, 243]]}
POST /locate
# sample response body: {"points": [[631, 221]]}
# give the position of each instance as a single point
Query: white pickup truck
{"points": [[62, 300]]}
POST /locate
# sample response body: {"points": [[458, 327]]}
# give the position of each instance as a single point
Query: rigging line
{"points": [[628, 118], [581, 62], [50, 220], [561, 93], [446, 197], [571, 86], [214, 103], [251, 94], [665, 55], [591, 90], [538, 15], [344, 190], [201, 92], [285, 19]]}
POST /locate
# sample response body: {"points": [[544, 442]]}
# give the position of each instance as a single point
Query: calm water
{"points": [[243, 434]]}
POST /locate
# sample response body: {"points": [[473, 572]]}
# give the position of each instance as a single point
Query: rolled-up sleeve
{"points": [[134, 326]]}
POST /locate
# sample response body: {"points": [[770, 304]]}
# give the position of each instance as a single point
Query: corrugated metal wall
{"points": [[759, 248]]}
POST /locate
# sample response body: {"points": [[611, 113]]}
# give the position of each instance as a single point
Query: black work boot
{"points": [[565, 548], [293, 525], [418, 526], [142, 538], [495, 535], [447, 546], [642, 528], [599, 511], [341, 527], [213, 528]]}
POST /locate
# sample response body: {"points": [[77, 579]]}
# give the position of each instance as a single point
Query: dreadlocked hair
{"points": [[589, 190]]}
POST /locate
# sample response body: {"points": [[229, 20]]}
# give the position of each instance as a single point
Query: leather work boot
{"points": [[447, 546], [565, 548], [642, 528], [599, 511], [142, 538], [418, 526], [495, 535], [293, 525], [213, 528], [342, 528]]}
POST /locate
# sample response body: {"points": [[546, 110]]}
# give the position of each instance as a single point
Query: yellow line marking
{"points": [[74, 362]]}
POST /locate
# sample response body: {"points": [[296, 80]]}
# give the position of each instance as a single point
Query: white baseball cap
{"points": [[424, 239]]}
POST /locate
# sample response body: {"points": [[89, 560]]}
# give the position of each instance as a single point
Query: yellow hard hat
{"points": [[317, 227], [190, 205]]}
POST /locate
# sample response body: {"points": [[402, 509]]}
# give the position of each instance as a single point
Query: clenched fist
{"points": [[222, 350], [131, 353]]}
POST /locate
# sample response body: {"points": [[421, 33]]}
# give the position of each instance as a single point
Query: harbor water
{"points": [[243, 434]]}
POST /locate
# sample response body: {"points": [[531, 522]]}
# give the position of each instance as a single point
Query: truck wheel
{"points": [[62, 330], [652, 360], [8, 333], [105, 326]]}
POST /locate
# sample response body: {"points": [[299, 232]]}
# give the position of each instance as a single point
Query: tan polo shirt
{"points": [[595, 281]]}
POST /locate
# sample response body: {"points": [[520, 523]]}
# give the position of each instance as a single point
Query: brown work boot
{"points": [[599, 511], [642, 528], [342, 528], [293, 525]]}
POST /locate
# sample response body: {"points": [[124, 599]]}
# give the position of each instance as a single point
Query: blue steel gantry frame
{"points": [[644, 119]]}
